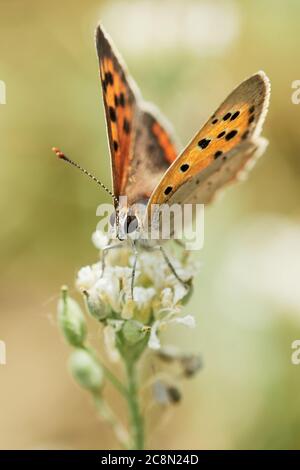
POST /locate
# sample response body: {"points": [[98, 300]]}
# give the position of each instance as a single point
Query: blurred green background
{"points": [[186, 56]]}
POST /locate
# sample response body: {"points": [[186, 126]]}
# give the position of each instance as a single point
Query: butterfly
{"points": [[147, 167]]}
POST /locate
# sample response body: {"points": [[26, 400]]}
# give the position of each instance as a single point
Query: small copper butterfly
{"points": [[146, 165]]}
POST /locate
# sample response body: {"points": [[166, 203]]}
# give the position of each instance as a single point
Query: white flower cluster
{"points": [[157, 294]]}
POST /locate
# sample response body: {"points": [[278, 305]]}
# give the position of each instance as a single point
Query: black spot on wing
{"points": [[226, 117], [126, 126], [218, 154], [112, 114], [231, 134], [109, 79], [203, 143], [122, 100], [168, 190], [184, 167], [234, 116]]}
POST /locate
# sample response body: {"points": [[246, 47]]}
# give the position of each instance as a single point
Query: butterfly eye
{"points": [[130, 224], [112, 219]]}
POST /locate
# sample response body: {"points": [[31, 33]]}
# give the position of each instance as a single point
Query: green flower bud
{"points": [[71, 319], [86, 370], [96, 307], [133, 331]]}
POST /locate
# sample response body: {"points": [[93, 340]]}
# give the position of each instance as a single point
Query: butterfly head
{"points": [[124, 224], [127, 222]]}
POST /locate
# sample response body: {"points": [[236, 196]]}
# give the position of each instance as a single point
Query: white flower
{"points": [[167, 298], [179, 293], [124, 275], [109, 334], [154, 342], [188, 320], [108, 289], [143, 298], [171, 296], [100, 239], [141, 304], [157, 293], [87, 276]]}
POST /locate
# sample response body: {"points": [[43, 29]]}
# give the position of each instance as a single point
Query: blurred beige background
{"points": [[186, 57]]}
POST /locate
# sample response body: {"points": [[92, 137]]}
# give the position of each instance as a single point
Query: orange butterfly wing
{"points": [[220, 149], [141, 146], [154, 151], [120, 109]]}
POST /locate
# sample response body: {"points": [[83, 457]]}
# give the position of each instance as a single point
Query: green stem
{"points": [[113, 379], [108, 374], [107, 414], [136, 419]]}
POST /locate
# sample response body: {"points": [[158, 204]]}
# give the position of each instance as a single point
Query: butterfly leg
{"points": [[105, 252], [172, 269], [135, 254]]}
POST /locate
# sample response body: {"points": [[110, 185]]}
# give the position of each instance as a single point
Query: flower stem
{"points": [[107, 414], [136, 419], [109, 375], [113, 379]]}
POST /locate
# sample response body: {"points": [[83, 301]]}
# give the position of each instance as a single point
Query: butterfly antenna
{"points": [[62, 156]]}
